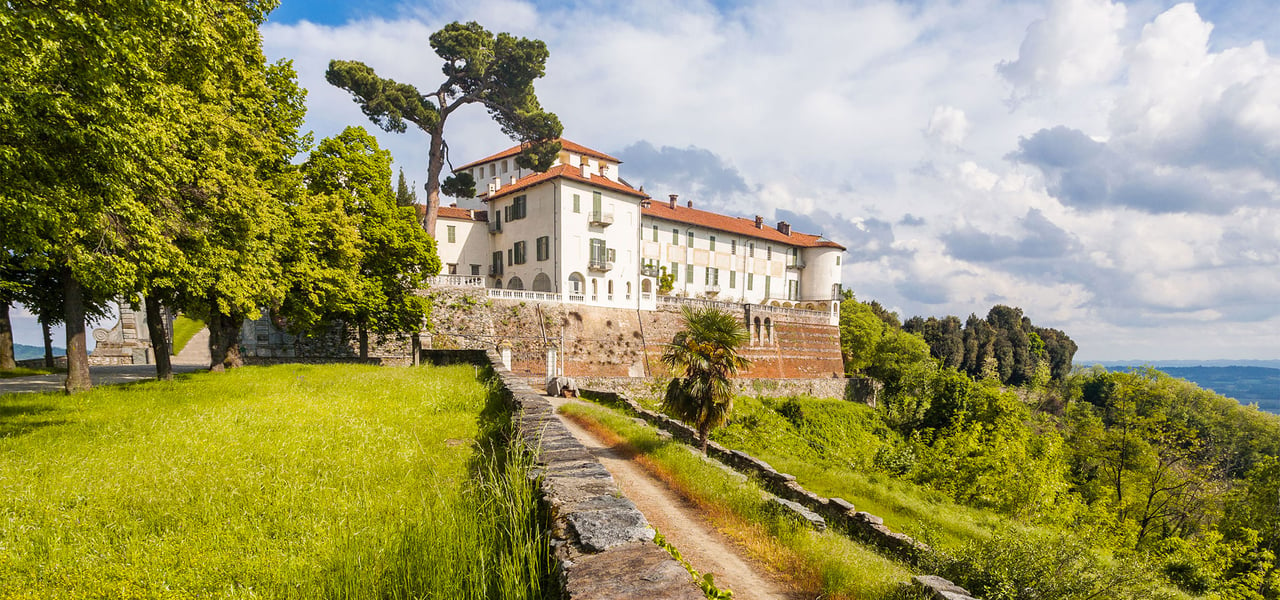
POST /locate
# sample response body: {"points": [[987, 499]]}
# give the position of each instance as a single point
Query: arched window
{"points": [[577, 283], [595, 288], [768, 331], [646, 286], [497, 283], [755, 335], [628, 290], [542, 283], [610, 288], [515, 284]]}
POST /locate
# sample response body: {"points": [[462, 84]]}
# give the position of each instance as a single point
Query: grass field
{"points": [[292, 481], [828, 564], [26, 372], [183, 330]]}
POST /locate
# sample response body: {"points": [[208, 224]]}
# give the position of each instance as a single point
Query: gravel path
{"points": [[681, 523]]}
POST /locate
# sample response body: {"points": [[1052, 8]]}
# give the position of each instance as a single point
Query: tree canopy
{"points": [[496, 71], [705, 353]]}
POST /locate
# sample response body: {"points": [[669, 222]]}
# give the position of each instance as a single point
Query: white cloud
{"points": [[819, 111]]}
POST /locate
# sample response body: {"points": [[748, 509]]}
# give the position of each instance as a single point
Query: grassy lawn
{"points": [[293, 481], [183, 330], [827, 565]]}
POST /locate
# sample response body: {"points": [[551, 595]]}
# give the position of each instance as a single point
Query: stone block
{"points": [[636, 571], [939, 588], [797, 510], [602, 522]]}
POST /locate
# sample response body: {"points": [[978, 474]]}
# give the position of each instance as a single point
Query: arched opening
{"points": [[768, 331], [628, 290], [515, 284], [809, 306], [595, 288], [775, 303], [541, 283], [577, 283], [497, 283], [755, 335], [609, 286], [646, 286]]}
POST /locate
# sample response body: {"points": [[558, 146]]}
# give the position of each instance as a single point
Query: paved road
{"points": [[103, 375]]}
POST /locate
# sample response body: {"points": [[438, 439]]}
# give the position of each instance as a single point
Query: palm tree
{"points": [[706, 351]]}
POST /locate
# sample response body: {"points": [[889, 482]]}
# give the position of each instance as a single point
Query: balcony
{"points": [[600, 218], [795, 263], [495, 270], [495, 226], [713, 288], [649, 270], [600, 265]]}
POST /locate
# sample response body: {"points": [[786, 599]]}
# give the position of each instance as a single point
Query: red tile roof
{"points": [[734, 225], [570, 173], [573, 147], [447, 212]]}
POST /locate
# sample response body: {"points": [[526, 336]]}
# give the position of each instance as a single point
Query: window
{"points": [[655, 233], [509, 255], [795, 256], [713, 276], [675, 272], [493, 169], [475, 269], [793, 290], [518, 208], [733, 246], [610, 288], [751, 279], [768, 253], [688, 274], [496, 265], [504, 166], [612, 254], [767, 280], [733, 279], [497, 220], [453, 233], [597, 202], [675, 236], [751, 249], [598, 254], [837, 260], [522, 252], [689, 238], [577, 203], [453, 268], [712, 240], [544, 247]]}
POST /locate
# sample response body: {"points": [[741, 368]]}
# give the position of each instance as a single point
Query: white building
{"points": [[581, 233]]}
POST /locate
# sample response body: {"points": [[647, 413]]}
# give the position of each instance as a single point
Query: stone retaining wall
{"points": [[602, 542], [838, 512]]}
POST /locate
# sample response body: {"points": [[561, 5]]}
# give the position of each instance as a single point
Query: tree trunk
{"points": [[47, 333], [435, 164], [159, 337], [224, 340], [363, 334], [77, 350], [702, 436], [6, 339]]}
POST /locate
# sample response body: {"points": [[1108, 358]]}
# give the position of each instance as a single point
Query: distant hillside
{"points": [[24, 352], [1249, 384]]}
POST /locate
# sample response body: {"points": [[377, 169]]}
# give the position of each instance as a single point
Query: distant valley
{"points": [[1250, 382], [24, 352]]}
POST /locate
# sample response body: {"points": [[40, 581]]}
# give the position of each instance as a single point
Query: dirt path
{"points": [[681, 523]]}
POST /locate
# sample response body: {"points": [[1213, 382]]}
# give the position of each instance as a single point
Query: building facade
{"points": [[580, 232]]}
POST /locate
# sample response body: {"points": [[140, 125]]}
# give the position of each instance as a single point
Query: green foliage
{"points": [[860, 332], [705, 353], [666, 281], [1017, 565], [405, 195]]}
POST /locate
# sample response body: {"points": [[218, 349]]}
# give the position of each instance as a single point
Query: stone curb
{"points": [[602, 543], [863, 526]]}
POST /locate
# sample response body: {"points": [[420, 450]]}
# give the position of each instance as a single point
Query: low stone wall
{"points": [[602, 542], [855, 389], [59, 362], [838, 512]]}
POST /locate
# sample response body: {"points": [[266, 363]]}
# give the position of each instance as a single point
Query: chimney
{"points": [[784, 228], [513, 180], [586, 170], [492, 188], [759, 222], [497, 183], [691, 204], [673, 198], [604, 170]]}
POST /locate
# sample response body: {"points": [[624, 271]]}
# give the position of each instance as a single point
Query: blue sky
{"points": [[1111, 167]]}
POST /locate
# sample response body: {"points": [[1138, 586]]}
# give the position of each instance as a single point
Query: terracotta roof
{"points": [[573, 147], [451, 212], [567, 172], [734, 225]]}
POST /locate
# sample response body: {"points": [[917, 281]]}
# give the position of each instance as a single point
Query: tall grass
{"points": [[827, 563], [339, 481]]}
